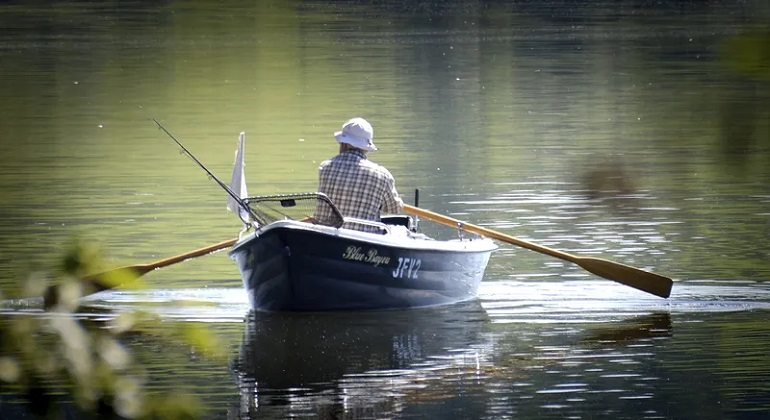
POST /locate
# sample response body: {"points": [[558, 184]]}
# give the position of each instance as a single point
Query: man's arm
{"points": [[393, 203]]}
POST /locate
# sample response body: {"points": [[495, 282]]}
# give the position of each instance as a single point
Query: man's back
{"points": [[359, 187]]}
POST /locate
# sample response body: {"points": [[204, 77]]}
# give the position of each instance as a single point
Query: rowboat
{"points": [[288, 264]]}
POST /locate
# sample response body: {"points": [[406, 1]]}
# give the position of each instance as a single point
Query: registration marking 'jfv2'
{"points": [[407, 268]]}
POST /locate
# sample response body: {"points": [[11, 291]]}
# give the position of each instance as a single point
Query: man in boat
{"points": [[359, 187]]}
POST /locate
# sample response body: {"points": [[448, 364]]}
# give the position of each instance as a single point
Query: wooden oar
{"points": [[109, 279], [630, 276]]}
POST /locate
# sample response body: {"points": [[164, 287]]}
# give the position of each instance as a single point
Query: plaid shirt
{"points": [[359, 187]]}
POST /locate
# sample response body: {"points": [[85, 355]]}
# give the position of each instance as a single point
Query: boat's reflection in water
{"points": [[307, 363], [376, 364]]}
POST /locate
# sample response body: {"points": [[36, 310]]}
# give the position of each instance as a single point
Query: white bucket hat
{"points": [[358, 133]]}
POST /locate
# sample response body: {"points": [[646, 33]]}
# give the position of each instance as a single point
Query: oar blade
{"points": [[630, 276], [94, 283], [116, 277], [105, 280]]}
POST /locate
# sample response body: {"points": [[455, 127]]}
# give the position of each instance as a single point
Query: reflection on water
{"points": [[351, 361], [385, 365]]}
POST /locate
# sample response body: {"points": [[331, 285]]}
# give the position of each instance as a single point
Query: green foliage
{"points": [[47, 355]]}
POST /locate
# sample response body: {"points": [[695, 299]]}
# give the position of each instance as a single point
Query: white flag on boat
{"points": [[238, 181]]}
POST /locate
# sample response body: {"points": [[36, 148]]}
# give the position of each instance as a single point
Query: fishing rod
{"points": [[224, 186]]}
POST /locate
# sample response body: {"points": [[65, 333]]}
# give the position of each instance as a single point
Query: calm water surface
{"points": [[632, 132]]}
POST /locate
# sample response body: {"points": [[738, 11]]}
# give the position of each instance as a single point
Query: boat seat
{"points": [[399, 220]]}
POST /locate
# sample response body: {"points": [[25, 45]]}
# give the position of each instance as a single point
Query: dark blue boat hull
{"points": [[289, 268]]}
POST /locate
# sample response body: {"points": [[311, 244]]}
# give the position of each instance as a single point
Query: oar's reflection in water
{"points": [[532, 365], [286, 357], [644, 327]]}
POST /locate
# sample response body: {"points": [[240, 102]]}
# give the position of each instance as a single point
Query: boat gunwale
{"points": [[474, 245]]}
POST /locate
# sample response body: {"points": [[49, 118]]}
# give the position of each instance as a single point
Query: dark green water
{"points": [[625, 130]]}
